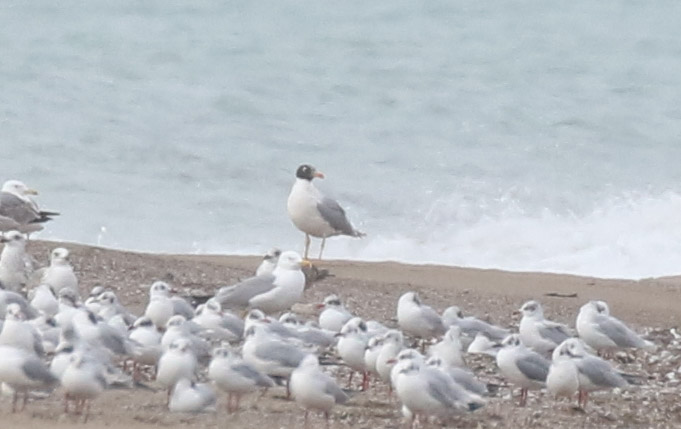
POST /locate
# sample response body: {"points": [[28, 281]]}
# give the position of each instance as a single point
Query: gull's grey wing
{"points": [[233, 324], [181, 306], [251, 373], [331, 388], [238, 295], [433, 320], [38, 344], [600, 372], [468, 381], [284, 354], [9, 224], [533, 366], [617, 331], [113, 339], [36, 370], [553, 332], [472, 326], [334, 214], [441, 391], [15, 208]]}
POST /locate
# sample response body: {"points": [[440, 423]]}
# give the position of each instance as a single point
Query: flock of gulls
{"points": [[245, 339]]}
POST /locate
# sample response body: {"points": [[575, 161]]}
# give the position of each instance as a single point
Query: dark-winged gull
{"points": [[270, 292], [315, 214], [18, 211]]}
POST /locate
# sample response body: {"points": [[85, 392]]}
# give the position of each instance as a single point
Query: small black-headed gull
{"points": [[19, 333], [334, 315], [593, 372], [218, 325], [313, 389], [463, 377], [190, 397], [471, 326], [176, 363], [373, 349], [522, 366], [18, 211], [563, 377], [60, 275], [351, 347], [269, 262], [481, 344], [603, 332], [162, 306], [82, 381], [236, 377], [179, 327], [538, 333], [418, 319], [23, 371], [15, 266], [393, 343], [449, 348], [315, 214], [148, 348], [271, 292]]}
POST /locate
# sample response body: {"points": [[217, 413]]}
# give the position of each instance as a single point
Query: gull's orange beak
{"points": [[319, 174], [31, 192], [305, 263]]}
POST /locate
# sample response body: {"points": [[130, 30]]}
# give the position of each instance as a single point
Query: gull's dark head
{"points": [[308, 172]]}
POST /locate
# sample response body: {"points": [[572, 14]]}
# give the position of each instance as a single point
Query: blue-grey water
{"points": [[525, 135]]}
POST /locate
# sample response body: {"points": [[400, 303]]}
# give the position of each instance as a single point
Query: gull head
{"points": [[159, 288], [290, 260], [453, 312], [308, 172], [14, 312], [107, 298], [176, 321], [181, 345], [59, 256], [13, 239], [332, 301], [532, 309], [272, 255], [512, 340], [18, 188]]}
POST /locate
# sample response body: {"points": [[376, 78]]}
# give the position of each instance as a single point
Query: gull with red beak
{"points": [[315, 214]]}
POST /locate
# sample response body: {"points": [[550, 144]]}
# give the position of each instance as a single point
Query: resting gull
{"points": [[603, 332], [15, 265], [538, 333], [271, 292], [315, 214], [59, 275], [18, 211], [269, 262], [522, 366], [418, 319]]}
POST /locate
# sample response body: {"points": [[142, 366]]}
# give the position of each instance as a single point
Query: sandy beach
{"points": [[371, 290]]}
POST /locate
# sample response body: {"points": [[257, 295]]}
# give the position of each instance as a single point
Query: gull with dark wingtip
{"points": [[315, 214]]}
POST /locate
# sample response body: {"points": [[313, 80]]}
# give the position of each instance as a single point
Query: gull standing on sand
{"points": [[522, 366], [315, 214], [373, 349], [17, 332], [393, 343], [83, 380], [23, 372], [471, 326], [190, 397], [603, 332], [148, 348], [418, 319], [160, 307], [18, 211], [593, 372], [236, 377], [538, 333], [313, 389], [15, 266], [269, 262], [219, 325], [334, 315], [563, 377], [351, 346], [270, 293], [59, 275], [176, 363], [461, 376], [178, 327]]}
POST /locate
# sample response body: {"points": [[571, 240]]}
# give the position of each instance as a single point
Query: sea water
{"points": [[529, 135]]}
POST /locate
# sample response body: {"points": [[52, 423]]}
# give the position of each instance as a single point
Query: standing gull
{"points": [[522, 366], [334, 315], [23, 371], [15, 264], [59, 275], [418, 319], [18, 211], [315, 214], [270, 292]]}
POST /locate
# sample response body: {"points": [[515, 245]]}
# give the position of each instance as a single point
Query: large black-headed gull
{"points": [[538, 333], [270, 293], [603, 332], [522, 366], [18, 211], [313, 389], [315, 214], [236, 377], [15, 266]]}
